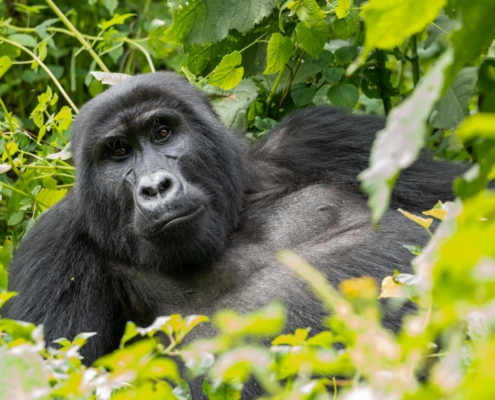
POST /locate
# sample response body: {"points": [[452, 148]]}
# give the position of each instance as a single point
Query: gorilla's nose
{"points": [[156, 189]]}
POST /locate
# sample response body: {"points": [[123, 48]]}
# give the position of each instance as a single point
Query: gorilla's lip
{"points": [[174, 221]]}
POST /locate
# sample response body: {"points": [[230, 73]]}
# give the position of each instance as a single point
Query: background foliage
{"points": [[428, 64]]}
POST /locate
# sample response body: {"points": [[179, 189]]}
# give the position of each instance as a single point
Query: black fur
{"points": [[94, 260]]}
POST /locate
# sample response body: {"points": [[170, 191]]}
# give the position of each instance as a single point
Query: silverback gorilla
{"points": [[172, 213]]}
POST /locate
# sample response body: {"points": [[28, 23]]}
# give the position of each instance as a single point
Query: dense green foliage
{"points": [[428, 64]]}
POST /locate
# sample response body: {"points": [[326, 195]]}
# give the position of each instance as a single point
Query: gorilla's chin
{"points": [[169, 223]]}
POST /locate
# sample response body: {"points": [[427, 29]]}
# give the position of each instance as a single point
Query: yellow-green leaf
{"points": [[424, 222], [5, 63], [228, 73], [390, 22], [312, 36], [342, 9], [280, 49], [480, 125]]}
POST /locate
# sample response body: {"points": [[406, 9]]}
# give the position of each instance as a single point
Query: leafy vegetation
{"points": [[428, 65]]}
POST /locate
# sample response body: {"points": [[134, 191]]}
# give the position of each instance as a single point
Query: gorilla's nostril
{"points": [[163, 187], [148, 192]]}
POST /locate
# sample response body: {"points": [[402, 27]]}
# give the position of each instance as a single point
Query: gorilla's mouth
{"points": [[169, 223]]}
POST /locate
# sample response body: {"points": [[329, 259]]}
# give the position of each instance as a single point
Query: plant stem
{"points": [[415, 59], [273, 91], [47, 70], [78, 35], [380, 58]]}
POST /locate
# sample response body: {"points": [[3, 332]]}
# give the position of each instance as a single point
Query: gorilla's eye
{"points": [[162, 133], [118, 149]]}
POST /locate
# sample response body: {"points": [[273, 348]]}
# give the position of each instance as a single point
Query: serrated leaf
{"points": [[333, 75], [345, 54], [301, 94], [307, 10], [228, 74], [453, 107], [280, 49], [198, 21], [346, 27], [5, 63], [343, 95], [312, 36], [390, 22]]}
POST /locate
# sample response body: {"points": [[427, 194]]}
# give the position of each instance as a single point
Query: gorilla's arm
{"points": [[62, 285], [329, 145]]}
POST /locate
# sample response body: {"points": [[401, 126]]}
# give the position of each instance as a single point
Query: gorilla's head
{"points": [[159, 178]]}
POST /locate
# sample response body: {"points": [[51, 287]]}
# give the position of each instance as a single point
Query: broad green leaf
{"points": [[307, 10], [343, 95], [16, 218], [346, 27], [312, 36], [228, 74], [23, 39], [344, 55], [390, 22], [5, 63], [398, 145], [116, 20], [301, 94], [49, 183], [333, 75], [209, 21], [453, 107], [280, 49], [21, 373], [342, 9]]}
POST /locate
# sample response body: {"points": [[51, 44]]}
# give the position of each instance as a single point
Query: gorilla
{"points": [[172, 213]]}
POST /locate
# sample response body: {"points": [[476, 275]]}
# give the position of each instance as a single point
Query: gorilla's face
{"points": [[143, 158], [166, 175]]}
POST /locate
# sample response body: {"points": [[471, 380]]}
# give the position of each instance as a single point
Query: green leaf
{"points": [[477, 33], [333, 75], [228, 74], [312, 36], [4, 297], [232, 107], [343, 95], [453, 107], [301, 94], [344, 55], [49, 183], [346, 27], [209, 21], [16, 218], [398, 145], [307, 10], [50, 197], [280, 49], [23, 39], [390, 22], [110, 5], [116, 20], [5, 63], [342, 9]]}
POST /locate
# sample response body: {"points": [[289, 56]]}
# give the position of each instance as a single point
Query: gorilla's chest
{"points": [[317, 222]]}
